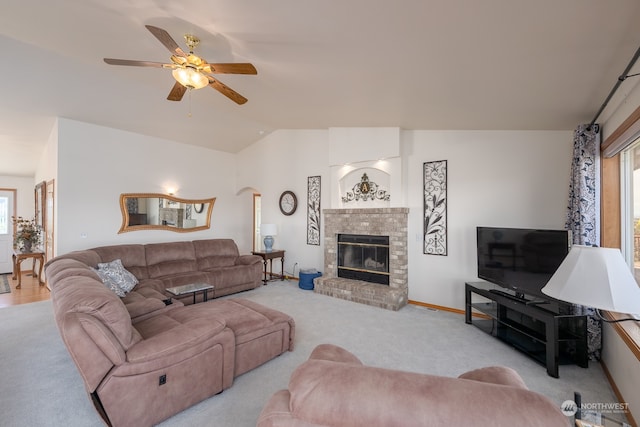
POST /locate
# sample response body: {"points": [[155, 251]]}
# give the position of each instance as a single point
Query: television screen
{"points": [[521, 259]]}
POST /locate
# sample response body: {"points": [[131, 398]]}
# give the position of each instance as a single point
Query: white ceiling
{"points": [[415, 64]]}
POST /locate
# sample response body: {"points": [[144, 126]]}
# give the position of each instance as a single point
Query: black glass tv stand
{"points": [[521, 321]]}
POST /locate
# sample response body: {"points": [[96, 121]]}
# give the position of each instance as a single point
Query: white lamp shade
{"points": [[595, 277], [268, 229]]}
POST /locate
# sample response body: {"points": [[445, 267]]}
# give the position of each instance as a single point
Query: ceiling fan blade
{"points": [[236, 68], [166, 40], [227, 91], [112, 61], [177, 92]]}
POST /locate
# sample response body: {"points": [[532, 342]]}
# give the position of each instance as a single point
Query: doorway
{"points": [[7, 210], [257, 219]]}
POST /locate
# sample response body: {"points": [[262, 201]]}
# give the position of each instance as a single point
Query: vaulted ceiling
{"points": [[415, 64]]}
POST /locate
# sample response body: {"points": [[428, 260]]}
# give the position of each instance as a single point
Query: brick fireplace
{"points": [[390, 222]]}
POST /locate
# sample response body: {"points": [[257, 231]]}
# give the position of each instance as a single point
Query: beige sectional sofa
{"points": [[333, 388], [143, 360]]}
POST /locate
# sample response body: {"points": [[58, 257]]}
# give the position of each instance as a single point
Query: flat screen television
{"points": [[522, 259]]}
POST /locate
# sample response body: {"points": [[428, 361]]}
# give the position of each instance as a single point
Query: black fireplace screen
{"points": [[364, 257]]}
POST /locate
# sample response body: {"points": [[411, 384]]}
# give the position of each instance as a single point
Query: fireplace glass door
{"points": [[364, 257]]}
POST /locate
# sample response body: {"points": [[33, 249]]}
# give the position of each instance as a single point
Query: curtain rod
{"points": [[622, 78]]}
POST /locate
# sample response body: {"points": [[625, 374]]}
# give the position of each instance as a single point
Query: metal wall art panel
{"points": [[313, 210], [435, 207]]}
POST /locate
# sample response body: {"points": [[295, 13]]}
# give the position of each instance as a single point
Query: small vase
{"points": [[26, 246]]}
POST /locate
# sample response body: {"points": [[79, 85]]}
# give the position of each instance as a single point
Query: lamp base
{"points": [[268, 244]]}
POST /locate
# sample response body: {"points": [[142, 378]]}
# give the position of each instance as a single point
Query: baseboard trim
{"points": [[449, 309], [436, 307], [616, 391]]}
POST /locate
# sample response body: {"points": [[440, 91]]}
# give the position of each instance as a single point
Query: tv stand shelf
{"points": [[548, 337]]}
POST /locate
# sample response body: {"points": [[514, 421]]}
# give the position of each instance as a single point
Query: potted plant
{"points": [[28, 234]]}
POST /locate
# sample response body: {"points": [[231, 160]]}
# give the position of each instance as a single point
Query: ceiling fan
{"points": [[189, 70]]}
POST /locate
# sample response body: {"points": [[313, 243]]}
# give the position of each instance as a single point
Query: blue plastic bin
{"points": [[306, 279]]}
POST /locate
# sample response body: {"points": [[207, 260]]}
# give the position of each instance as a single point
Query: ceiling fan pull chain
{"points": [[189, 102]]}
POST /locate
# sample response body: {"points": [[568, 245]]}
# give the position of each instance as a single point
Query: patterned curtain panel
{"points": [[583, 214]]}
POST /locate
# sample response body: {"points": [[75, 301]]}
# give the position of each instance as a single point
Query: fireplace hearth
{"points": [[368, 225]]}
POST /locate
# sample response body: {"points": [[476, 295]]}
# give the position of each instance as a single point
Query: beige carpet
{"points": [[41, 387]]}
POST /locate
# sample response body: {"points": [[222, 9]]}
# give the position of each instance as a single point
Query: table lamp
{"points": [[268, 230], [596, 277]]}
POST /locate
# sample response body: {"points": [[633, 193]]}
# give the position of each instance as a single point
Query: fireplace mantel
{"points": [[390, 222]]}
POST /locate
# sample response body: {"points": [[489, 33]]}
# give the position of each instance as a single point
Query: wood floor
{"points": [[30, 291]]}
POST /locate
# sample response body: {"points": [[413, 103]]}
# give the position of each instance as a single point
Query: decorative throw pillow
{"points": [[110, 283], [116, 271]]}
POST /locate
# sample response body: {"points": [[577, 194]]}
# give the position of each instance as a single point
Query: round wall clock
{"points": [[288, 203]]}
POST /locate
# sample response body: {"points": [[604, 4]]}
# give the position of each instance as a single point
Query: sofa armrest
{"points": [[276, 412], [248, 259], [496, 375], [334, 353]]}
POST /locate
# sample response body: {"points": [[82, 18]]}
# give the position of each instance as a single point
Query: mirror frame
{"points": [[125, 227]]}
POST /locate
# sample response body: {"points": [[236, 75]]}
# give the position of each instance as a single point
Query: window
{"points": [[630, 206], [4, 215]]}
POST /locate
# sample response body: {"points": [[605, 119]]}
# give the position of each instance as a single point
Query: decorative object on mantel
{"points": [[313, 210], [28, 234], [366, 190], [435, 208]]}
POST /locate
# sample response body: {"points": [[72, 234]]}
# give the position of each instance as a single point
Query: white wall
{"points": [[96, 164], [514, 178], [504, 179], [283, 161], [25, 198]]}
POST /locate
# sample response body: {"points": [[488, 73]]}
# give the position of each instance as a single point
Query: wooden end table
{"points": [[18, 257], [269, 256]]}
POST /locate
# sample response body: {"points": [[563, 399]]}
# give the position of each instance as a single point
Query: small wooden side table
{"points": [[269, 256], [18, 257]]}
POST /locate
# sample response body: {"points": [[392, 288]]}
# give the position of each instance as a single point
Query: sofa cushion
{"points": [[343, 394], [87, 257], [68, 267], [132, 257], [172, 332], [124, 279], [110, 283], [166, 259], [214, 253]]}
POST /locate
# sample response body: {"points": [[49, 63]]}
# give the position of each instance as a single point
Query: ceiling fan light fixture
{"points": [[190, 78]]}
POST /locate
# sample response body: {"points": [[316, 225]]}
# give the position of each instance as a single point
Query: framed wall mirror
{"points": [[40, 192], [154, 211]]}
